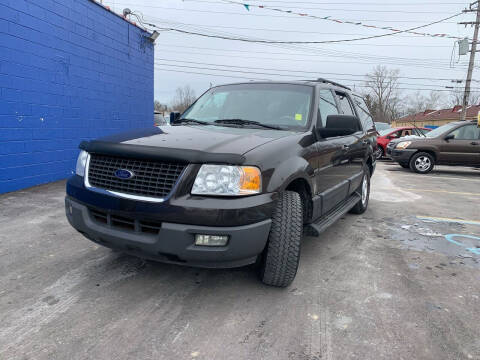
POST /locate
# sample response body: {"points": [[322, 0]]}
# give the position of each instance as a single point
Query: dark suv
{"points": [[456, 143], [234, 180]]}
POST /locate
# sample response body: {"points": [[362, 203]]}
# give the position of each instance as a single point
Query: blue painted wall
{"points": [[70, 70]]}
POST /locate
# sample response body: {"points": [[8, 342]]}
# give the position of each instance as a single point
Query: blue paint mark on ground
{"points": [[451, 238]]}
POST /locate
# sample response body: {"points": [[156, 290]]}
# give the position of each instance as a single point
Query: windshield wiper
{"points": [[247, 122], [418, 130], [185, 120]]}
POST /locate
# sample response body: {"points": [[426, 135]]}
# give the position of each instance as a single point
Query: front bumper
{"points": [[173, 243], [401, 156], [166, 231]]}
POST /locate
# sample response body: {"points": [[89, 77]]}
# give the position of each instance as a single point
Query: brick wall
{"points": [[70, 70]]}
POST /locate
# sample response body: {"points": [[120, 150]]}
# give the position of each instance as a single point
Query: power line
{"points": [[330, 53], [343, 21], [300, 42], [292, 5], [262, 79], [295, 31], [273, 16], [300, 71], [419, 3], [334, 53], [290, 76], [426, 66]]}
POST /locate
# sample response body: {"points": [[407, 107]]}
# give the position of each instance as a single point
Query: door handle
{"points": [[474, 143]]}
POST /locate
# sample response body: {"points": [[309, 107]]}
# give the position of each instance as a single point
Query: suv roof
{"points": [[330, 82], [324, 83]]}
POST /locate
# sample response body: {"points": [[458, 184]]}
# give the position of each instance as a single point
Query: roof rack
{"points": [[330, 82]]}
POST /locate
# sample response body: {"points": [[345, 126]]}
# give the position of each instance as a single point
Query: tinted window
{"points": [[344, 104], [326, 105], [282, 105], [364, 115], [468, 132]]}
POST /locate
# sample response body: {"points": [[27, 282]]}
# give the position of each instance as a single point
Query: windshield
{"points": [[385, 132], [283, 105], [440, 130]]}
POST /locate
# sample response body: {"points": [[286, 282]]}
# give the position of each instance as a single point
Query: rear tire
{"points": [[282, 254], [364, 191], [422, 163]]}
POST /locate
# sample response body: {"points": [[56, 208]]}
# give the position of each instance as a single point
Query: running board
{"points": [[320, 226]]}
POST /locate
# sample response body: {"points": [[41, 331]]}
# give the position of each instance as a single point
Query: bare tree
{"points": [[383, 95], [418, 102], [184, 97], [456, 97]]}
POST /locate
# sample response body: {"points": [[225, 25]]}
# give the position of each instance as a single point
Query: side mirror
{"points": [[174, 116], [340, 125], [449, 137]]}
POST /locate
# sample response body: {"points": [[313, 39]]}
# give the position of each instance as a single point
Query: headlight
{"points": [[403, 145], [81, 163], [224, 180]]}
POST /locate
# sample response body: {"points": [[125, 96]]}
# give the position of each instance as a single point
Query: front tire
{"points": [[380, 153], [282, 254], [422, 163], [364, 191]]}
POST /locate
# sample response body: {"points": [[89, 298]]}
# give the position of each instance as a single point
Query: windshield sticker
{"points": [[298, 117]]}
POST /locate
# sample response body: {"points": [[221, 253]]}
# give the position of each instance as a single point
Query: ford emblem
{"points": [[124, 174]]}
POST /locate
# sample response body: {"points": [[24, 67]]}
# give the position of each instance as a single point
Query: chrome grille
{"points": [[151, 178]]}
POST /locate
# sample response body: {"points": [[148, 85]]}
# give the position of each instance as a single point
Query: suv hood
{"points": [[188, 144], [212, 139]]}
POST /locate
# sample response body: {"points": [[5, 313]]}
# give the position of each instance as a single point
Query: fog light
{"points": [[211, 240]]}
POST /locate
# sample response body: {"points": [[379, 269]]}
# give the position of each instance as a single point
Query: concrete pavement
{"points": [[399, 282]]}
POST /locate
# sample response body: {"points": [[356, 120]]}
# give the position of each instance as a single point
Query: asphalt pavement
{"points": [[398, 282]]}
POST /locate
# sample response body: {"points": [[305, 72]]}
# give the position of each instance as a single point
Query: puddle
{"points": [[460, 241]]}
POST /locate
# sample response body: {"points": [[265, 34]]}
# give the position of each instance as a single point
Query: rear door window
{"points": [[326, 106], [344, 104]]}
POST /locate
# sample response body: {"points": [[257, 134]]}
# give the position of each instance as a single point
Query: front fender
{"points": [[288, 171], [430, 149]]}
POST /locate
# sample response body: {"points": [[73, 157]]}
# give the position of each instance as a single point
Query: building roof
{"points": [[451, 114], [120, 16]]}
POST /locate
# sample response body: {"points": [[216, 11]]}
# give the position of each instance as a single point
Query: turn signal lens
{"points": [[251, 181]]}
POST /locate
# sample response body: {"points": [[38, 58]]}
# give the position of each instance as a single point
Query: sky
{"points": [[425, 63]]}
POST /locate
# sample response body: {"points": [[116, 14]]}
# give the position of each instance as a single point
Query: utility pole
{"points": [[468, 82]]}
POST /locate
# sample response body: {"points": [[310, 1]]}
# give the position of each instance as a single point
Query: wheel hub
{"points": [[423, 163], [364, 190]]}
